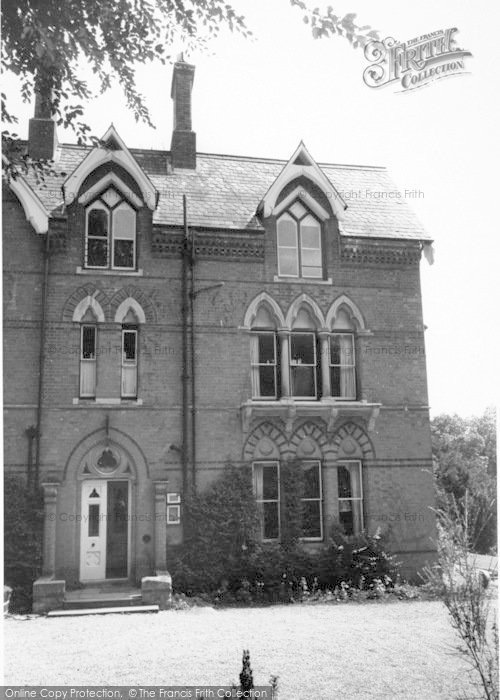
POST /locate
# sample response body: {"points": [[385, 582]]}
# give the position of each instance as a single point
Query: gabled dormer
{"points": [[301, 166], [108, 191], [300, 204], [111, 151]]}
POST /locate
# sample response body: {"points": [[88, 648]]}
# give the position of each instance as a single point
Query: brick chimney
{"points": [[183, 146], [42, 135]]}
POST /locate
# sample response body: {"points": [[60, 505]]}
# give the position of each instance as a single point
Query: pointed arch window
{"points": [[110, 233], [130, 351], [342, 358], [304, 356], [88, 360], [264, 349], [299, 244]]}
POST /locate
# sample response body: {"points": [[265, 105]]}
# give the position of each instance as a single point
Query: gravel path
{"points": [[396, 650]]}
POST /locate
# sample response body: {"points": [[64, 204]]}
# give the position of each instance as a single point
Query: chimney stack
{"points": [[42, 135], [183, 146]]}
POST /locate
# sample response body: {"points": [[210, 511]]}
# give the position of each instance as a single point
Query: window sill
{"points": [[107, 402], [302, 280], [109, 273], [289, 409]]}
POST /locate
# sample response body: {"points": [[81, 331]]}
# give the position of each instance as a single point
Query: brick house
{"points": [[277, 316]]}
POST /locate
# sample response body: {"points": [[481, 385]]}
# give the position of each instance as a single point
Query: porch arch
{"points": [[100, 439]]}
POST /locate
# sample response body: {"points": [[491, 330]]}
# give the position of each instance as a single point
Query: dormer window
{"points": [[299, 244], [110, 240]]}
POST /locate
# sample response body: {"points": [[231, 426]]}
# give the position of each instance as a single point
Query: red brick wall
{"points": [[393, 361]]}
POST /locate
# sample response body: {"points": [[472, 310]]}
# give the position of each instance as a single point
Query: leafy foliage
{"points": [[466, 598], [246, 675], [291, 487], [221, 527], [326, 24], [49, 45], [222, 554], [464, 451], [23, 522], [46, 44]]}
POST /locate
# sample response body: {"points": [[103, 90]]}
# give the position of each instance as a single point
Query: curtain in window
{"points": [[254, 359], [347, 378], [350, 497], [343, 373]]}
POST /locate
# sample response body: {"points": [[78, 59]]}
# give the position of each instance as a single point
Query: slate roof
{"points": [[224, 192]]}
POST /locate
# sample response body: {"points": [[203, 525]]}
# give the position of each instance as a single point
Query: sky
{"points": [[261, 96]]}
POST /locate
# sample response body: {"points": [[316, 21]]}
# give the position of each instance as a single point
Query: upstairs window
{"points": [[88, 362], [342, 366], [303, 366], [264, 365], [129, 362], [110, 241], [299, 244]]}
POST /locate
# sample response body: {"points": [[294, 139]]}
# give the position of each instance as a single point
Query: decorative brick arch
{"points": [[268, 431], [88, 296], [309, 431], [307, 302], [139, 297], [100, 439], [343, 302], [359, 443], [266, 300]]}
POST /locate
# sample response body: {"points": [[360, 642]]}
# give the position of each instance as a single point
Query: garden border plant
{"points": [[224, 561], [23, 527]]}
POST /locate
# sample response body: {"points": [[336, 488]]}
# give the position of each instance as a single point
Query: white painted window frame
{"points": [[292, 363], [260, 501], [299, 247], [101, 207], [288, 247], [256, 365], [316, 462], [127, 364], [87, 361], [349, 463], [115, 237], [111, 237], [340, 365]]}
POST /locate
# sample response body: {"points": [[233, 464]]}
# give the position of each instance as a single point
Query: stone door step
{"points": [[105, 611], [102, 602]]}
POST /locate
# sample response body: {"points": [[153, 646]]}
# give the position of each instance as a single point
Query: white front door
{"points": [[105, 530], [93, 530]]}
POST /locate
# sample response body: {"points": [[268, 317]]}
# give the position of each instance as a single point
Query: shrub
{"points": [[220, 534], [465, 594], [23, 521], [222, 555]]}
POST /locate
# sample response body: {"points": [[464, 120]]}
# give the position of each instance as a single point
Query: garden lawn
{"points": [[372, 650]]}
